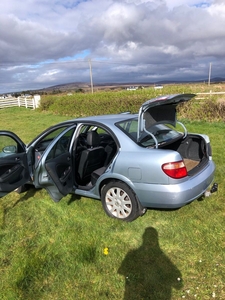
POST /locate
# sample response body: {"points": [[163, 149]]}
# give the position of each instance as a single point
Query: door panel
{"points": [[55, 170], [60, 171], [14, 170]]}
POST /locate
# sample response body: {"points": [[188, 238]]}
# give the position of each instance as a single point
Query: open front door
{"points": [[14, 170], [55, 170]]}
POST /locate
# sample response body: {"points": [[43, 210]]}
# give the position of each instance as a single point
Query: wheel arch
{"points": [[142, 210]]}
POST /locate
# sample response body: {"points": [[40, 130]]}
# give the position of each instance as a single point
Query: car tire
{"points": [[119, 201]]}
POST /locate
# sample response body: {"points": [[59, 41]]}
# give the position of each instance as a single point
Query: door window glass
{"points": [[48, 138], [130, 127], [62, 145]]}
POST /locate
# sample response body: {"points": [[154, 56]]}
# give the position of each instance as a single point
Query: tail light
{"points": [[175, 169]]}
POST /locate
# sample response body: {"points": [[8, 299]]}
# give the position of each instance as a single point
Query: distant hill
{"points": [[68, 86], [76, 86], [86, 86]]}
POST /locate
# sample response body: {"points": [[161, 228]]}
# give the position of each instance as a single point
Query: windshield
{"points": [[162, 132]]}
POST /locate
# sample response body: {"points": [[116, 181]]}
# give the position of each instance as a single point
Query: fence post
{"points": [[18, 101], [37, 99]]}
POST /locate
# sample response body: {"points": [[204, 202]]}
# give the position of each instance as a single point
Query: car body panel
{"points": [[175, 195], [169, 194], [148, 169]]}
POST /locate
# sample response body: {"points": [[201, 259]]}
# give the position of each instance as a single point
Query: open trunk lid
{"points": [[160, 110]]}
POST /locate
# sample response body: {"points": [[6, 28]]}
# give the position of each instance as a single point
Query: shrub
{"points": [[46, 102], [110, 102], [210, 110]]}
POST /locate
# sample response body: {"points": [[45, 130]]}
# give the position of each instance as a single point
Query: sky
{"points": [[49, 42]]}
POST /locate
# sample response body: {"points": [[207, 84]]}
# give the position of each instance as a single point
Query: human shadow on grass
{"points": [[149, 273]]}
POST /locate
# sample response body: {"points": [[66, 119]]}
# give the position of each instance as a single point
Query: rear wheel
{"points": [[119, 201]]}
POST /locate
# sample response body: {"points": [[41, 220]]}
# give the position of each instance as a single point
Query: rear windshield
{"points": [[162, 132]]}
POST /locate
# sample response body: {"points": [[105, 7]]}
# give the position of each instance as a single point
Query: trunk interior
{"points": [[193, 150]]}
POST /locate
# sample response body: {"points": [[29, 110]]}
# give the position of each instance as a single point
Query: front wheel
{"points": [[119, 201]]}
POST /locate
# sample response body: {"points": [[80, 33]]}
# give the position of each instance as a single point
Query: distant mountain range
{"points": [[84, 85]]}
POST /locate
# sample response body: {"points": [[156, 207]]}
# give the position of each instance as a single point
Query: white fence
{"points": [[28, 102], [207, 95]]}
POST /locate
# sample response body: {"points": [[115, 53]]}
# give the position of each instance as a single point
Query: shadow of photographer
{"points": [[149, 273]]}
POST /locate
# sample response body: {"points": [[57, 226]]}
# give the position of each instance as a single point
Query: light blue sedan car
{"points": [[130, 161]]}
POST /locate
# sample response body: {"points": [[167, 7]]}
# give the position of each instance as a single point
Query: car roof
{"points": [[105, 119]]}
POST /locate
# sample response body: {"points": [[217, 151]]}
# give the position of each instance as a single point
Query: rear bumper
{"points": [[175, 195]]}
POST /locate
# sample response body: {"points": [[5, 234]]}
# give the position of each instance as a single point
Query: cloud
{"points": [[48, 42]]}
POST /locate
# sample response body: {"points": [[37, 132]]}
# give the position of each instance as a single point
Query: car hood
{"points": [[160, 110]]}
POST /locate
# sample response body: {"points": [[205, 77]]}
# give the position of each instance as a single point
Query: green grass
{"points": [[58, 251], [27, 123]]}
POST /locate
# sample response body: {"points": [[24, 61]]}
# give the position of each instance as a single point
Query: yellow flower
{"points": [[106, 251]]}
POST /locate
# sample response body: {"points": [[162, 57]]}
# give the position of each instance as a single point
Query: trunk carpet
{"points": [[190, 164]]}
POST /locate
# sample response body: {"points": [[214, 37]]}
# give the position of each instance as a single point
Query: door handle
{"points": [[65, 175]]}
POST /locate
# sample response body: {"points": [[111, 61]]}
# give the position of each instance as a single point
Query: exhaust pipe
{"points": [[214, 188]]}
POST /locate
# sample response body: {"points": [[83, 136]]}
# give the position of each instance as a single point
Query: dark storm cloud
{"points": [[44, 42]]}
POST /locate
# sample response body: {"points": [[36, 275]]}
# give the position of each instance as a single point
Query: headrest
{"points": [[93, 139]]}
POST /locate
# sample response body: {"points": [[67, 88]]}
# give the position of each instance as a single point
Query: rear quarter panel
{"points": [[144, 165]]}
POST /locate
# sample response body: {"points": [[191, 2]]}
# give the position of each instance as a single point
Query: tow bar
{"points": [[213, 189]]}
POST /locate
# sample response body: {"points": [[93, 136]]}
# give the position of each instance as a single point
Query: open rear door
{"points": [[14, 171], [54, 172]]}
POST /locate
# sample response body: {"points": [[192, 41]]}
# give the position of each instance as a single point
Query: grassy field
{"points": [[72, 250]]}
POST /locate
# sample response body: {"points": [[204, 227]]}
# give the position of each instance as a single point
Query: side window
{"points": [[101, 130], [48, 138], [42, 144], [8, 146], [129, 127], [62, 145]]}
